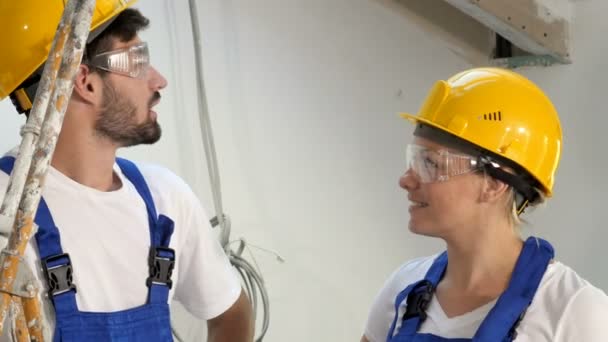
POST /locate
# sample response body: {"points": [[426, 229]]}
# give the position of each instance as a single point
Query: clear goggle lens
{"points": [[132, 61], [438, 165]]}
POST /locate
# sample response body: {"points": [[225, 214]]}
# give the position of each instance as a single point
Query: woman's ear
{"points": [[87, 85], [493, 189]]}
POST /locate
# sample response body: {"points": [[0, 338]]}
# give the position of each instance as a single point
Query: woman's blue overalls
{"points": [[501, 322], [149, 322]]}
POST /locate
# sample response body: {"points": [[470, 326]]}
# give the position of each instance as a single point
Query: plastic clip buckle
{"points": [[59, 277], [160, 266], [419, 300]]}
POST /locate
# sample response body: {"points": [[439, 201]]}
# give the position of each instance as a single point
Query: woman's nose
{"points": [[409, 181]]}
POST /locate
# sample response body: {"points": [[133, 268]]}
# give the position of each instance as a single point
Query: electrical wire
{"points": [[253, 281], [206, 130]]}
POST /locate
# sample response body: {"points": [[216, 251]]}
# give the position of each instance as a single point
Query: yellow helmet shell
{"points": [[500, 111], [28, 30]]}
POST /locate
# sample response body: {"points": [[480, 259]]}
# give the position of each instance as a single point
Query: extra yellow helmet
{"points": [[28, 30], [501, 112]]}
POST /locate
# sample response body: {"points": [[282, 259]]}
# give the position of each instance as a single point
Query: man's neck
{"points": [[87, 159]]}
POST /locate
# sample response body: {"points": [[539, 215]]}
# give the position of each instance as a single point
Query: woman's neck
{"points": [[485, 261]]}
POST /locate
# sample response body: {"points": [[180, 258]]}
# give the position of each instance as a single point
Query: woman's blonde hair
{"points": [[512, 211]]}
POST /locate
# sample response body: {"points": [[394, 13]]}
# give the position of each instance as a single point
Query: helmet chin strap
{"points": [[23, 97]]}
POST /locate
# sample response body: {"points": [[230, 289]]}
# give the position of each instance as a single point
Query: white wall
{"points": [[575, 219], [304, 99]]}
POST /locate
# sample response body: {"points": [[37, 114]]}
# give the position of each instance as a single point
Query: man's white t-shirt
{"points": [[565, 308], [107, 237]]}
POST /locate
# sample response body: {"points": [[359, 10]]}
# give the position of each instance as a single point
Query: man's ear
{"points": [[493, 189], [87, 85]]}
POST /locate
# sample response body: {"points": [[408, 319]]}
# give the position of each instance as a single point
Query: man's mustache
{"points": [[155, 99]]}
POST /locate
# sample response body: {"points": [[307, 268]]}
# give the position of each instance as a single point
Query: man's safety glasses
{"points": [[438, 165], [132, 61]]}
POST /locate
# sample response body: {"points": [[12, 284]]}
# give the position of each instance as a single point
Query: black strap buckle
{"points": [[59, 276], [160, 266], [513, 331], [418, 300]]}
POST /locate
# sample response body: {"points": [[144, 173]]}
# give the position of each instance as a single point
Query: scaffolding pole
{"points": [[19, 295]]}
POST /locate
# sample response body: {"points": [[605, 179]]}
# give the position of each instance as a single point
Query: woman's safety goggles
{"points": [[132, 61], [438, 165]]}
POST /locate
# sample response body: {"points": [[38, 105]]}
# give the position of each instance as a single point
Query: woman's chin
{"points": [[420, 229]]}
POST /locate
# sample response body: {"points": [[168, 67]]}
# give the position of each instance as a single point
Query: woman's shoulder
{"points": [[571, 306], [407, 273], [561, 281], [382, 309], [411, 271]]}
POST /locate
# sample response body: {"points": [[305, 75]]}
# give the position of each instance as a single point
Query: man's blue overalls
{"points": [[149, 322], [501, 322]]}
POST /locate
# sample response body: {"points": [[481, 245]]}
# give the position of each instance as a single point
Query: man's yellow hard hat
{"points": [[27, 31], [502, 112]]}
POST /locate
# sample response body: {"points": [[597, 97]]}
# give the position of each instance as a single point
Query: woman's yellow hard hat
{"points": [[502, 112]]}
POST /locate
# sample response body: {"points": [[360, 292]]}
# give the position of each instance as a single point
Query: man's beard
{"points": [[117, 120]]}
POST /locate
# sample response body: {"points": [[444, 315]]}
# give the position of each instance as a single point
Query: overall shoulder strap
{"points": [[6, 164], [47, 237], [418, 296], [161, 259], [502, 320], [56, 265], [130, 170]]}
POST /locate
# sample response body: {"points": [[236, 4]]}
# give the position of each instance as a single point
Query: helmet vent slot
{"points": [[494, 116]]}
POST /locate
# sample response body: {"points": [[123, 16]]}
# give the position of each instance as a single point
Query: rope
{"points": [[30, 128]]}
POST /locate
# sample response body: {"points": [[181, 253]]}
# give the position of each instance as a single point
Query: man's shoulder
{"points": [[170, 192], [160, 176]]}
